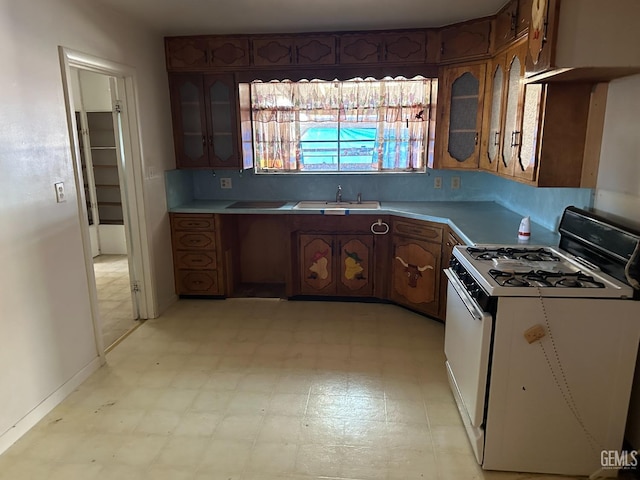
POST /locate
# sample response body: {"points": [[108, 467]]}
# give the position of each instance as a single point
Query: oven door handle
{"points": [[473, 308]]}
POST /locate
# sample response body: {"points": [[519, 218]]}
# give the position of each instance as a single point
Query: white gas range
{"points": [[541, 345], [532, 271]]}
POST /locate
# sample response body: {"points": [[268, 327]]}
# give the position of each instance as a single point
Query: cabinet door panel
{"points": [[316, 265], [221, 111], [408, 47], [360, 48], [462, 120], [528, 155], [186, 53], [492, 131], [505, 25], [354, 265], [512, 132], [316, 50], [416, 273], [189, 121], [229, 52], [465, 41], [272, 51]]}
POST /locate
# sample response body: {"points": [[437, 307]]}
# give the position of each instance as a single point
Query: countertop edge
{"points": [[474, 222]]}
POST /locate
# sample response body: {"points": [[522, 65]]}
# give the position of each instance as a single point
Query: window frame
{"points": [[427, 153]]}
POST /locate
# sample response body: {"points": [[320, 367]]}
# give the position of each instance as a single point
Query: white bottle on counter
{"points": [[524, 230]]}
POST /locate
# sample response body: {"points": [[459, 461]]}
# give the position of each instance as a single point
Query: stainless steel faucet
{"points": [[359, 197], [339, 194]]}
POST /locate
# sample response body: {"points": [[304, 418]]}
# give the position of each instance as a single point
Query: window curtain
{"points": [[399, 108]]}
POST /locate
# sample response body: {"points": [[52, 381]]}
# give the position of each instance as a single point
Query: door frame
{"points": [[137, 235]]}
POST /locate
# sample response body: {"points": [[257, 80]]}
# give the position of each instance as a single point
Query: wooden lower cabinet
{"points": [[415, 271], [196, 256], [335, 264]]}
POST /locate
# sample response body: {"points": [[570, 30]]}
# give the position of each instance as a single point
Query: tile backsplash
{"points": [[543, 205]]}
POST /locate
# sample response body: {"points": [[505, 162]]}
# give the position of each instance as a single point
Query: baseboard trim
{"points": [[27, 422]]}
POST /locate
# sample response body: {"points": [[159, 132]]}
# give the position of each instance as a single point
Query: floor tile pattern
{"points": [[261, 389], [114, 296]]}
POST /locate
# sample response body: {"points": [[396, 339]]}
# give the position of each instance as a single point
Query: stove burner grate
{"points": [[511, 253], [542, 278]]}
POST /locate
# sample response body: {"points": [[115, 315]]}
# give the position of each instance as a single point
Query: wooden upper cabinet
{"points": [[493, 112], [201, 52], [524, 16], [543, 29], [229, 52], [396, 47], [320, 50], [514, 97], [404, 47], [465, 40], [360, 48], [204, 112], [460, 119], [272, 51], [299, 50], [185, 53], [505, 25]]}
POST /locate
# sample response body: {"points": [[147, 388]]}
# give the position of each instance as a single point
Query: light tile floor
{"points": [[114, 296], [261, 389]]}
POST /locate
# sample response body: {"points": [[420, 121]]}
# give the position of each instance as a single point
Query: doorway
{"points": [[100, 100]]}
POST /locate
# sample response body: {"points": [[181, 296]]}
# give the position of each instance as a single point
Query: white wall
{"points": [[46, 334], [618, 189]]}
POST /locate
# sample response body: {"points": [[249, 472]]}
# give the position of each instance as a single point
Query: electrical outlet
{"points": [[60, 195], [437, 182], [225, 183], [455, 183]]}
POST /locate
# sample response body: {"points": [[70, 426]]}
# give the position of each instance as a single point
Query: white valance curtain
{"points": [[399, 109]]}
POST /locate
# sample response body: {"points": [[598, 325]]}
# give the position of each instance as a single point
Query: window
{"points": [[359, 125]]}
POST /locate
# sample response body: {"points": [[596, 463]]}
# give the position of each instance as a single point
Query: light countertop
{"points": [[474, 222]]}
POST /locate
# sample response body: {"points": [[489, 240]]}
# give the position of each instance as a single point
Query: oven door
{"points": [[467, 344]]}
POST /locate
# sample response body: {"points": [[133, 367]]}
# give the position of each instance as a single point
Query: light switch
{"points": [[60, 195]]}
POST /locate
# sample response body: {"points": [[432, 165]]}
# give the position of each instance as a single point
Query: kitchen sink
{"points": [[319, 205]]}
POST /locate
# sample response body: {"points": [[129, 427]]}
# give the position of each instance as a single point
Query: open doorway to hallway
{"points": [[102, 159], [111, 193]]}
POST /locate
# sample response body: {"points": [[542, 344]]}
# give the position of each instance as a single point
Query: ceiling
{"points": [[190, 17]]}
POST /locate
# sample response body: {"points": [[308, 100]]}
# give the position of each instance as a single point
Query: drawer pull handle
{"points": [[379, 227]]}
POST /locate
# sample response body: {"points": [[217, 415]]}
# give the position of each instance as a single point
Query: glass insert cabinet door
{"points": [[204, 115], [189, 118], [491, 143], [510, 139], [221, 118], [462, 116]]}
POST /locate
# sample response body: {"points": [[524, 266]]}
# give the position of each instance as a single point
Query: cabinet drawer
{"points": [[194, 240], [197, 282], [193, 222], [195, 260], [424, 231]]}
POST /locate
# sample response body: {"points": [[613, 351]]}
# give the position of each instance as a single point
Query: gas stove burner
{"points": [[578, 280], [511, 253], [542, 278]]}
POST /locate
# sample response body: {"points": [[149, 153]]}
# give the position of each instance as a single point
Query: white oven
{"points": [[467, 350], [541, 345]]}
